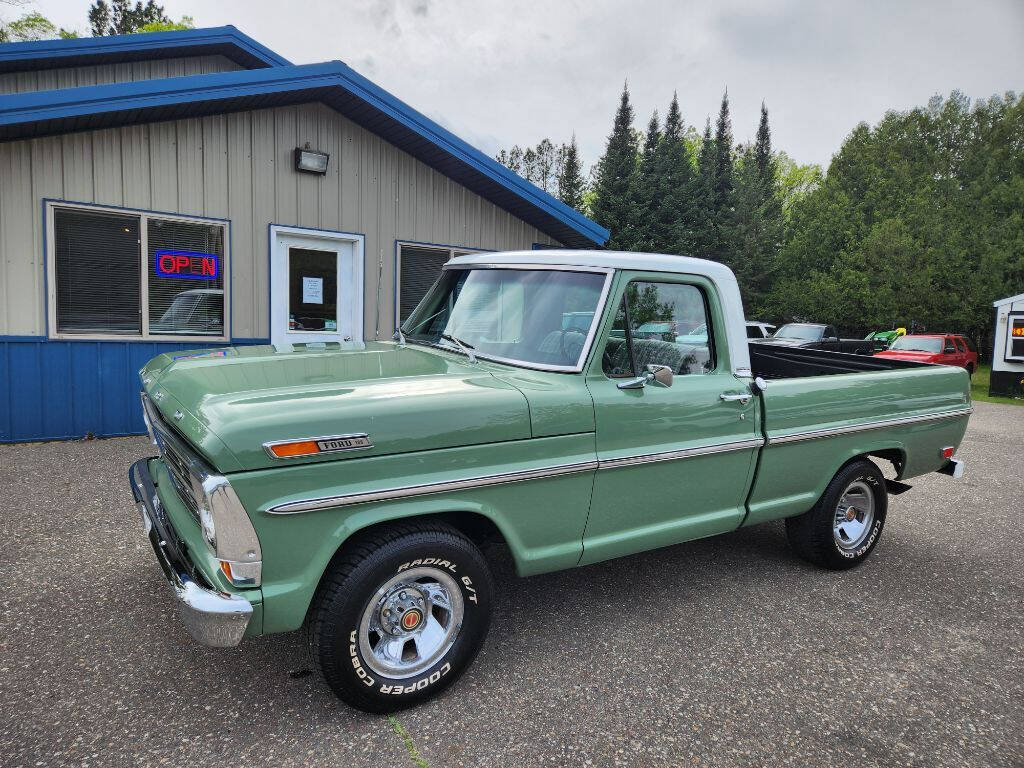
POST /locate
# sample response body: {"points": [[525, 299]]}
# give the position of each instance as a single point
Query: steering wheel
{"points": [[572, 352]]}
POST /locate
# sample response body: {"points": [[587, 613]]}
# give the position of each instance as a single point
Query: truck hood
{"points": [[229, 402]]}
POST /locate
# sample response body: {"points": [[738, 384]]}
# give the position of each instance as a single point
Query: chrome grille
{"points": [[180, 478], [175, 455]]}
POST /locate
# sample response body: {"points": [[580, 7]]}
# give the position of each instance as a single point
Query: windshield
{"points": [[918, 344], [536, 317], [181, 309], [800, 331]]}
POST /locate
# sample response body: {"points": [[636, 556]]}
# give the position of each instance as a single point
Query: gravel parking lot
{"points": [[723, 652]]}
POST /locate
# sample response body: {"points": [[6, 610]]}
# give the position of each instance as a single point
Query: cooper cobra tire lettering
{"points": [[361, 673]]}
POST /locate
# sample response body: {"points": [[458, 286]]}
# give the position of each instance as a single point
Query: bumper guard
{"points": [[213, 618]]}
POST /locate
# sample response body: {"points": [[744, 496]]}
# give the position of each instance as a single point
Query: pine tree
{"points": [[639, 232], [674, 211], [767, 171], [571, 184], [703, 235], [723, 194], [723, 183], [612, 206], [758, 217]]}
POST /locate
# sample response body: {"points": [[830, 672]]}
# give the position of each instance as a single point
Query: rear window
{"points": [[918, 344]]}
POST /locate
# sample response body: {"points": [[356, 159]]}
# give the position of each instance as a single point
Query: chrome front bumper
{"points": [[213, 618]]}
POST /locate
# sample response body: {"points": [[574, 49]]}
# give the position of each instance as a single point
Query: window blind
{"points": [[419, 268], [97, 264]]}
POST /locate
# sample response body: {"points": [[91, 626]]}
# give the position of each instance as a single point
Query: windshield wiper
{"points": [[466, 348]]}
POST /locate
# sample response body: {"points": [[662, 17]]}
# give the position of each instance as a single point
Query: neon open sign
{"points": [[187, 264]]}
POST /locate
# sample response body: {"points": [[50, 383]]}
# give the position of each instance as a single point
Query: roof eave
{"points": [[50, 54], [48, 112]]}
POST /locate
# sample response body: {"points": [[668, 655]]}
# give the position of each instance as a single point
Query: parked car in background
{"points": [[817, 336], [884, 339], [941, 349], [756, 330], [349, 490]]}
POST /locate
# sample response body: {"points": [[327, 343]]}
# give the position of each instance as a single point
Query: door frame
{"points": [[327, 237]]}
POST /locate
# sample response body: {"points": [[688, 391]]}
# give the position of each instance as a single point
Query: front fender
{"points": [[541, 518]]}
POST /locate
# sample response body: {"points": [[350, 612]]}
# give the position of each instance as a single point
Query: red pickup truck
{"points": [[942, 349]]}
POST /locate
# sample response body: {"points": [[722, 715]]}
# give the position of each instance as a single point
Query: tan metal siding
{"points": [[76, 77], [240, 167]]}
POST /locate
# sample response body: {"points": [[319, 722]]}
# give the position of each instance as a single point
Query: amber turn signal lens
{"points": [[226, 567], [301, 448]]}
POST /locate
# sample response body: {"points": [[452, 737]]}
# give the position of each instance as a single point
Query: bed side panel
{"points": [[815, 425]]}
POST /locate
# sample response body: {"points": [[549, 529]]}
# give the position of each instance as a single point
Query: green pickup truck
{"points": [[348, 489]]}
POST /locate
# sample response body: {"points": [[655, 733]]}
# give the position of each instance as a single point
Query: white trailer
{"points": [[1008, 348]]}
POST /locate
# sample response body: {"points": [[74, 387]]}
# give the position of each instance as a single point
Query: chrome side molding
{"points": [[426, 489], [814, 434], [483, 481], [687, 453]]}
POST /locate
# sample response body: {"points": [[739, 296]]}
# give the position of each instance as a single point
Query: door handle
{"points": [[742, 398]]}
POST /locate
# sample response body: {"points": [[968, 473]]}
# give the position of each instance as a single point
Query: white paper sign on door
{"points": [[312, 290]]}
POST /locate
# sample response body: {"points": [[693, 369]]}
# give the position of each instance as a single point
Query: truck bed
{"points": [[774, 362], [813, 420]]}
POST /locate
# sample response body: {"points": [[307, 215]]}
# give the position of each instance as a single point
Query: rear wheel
{"points": [[401, 615], [970, 370], [842, 529]]}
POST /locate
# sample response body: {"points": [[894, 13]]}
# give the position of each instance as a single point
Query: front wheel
{"points": [[401, 615], [840, 531]]}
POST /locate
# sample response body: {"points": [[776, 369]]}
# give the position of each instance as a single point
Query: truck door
{"points": [[675, 461]]}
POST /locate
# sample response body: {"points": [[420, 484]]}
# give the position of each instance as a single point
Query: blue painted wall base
{"points": [[60, 390]]}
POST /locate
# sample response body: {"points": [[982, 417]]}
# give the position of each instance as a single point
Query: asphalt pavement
{"points": [[721, 652]]}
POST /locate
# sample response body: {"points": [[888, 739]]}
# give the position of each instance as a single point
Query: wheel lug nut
{"points": [[401, 595]]}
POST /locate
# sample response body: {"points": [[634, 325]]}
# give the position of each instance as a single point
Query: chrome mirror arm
{"points": [[655, 374]]}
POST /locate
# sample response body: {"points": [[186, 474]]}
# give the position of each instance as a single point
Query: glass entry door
{"points": [[312, 290], [316, 287]]}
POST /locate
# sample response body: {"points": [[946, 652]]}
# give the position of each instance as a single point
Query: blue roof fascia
{"points": [[48, 54], [70, 104]]}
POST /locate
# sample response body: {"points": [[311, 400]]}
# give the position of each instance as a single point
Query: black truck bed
{"points": [[770, 361]]}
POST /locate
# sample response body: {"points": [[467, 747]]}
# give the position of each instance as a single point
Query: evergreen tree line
{"points": [[556, 170], [919, 220]]}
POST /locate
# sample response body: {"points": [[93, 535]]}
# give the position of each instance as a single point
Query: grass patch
{"points": [[417, 759], [979, 388]]}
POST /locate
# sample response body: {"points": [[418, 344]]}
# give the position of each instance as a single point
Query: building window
{"points": [[136, 274], [418, 267]]}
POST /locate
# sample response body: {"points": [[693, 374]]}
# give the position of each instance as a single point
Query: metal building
{"points": [[191, 189]]}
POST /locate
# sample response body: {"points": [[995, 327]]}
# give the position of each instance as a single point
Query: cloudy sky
{"points": [[501, 72]]}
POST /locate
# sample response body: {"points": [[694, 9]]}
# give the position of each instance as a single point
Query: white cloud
{"points": [[504, 72]]}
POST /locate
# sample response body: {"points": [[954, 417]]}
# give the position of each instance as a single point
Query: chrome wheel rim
{"points": [[410, 622], [855, 514]]}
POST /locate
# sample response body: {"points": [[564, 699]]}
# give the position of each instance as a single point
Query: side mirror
{"points": [[832, 338], [655, 374]]}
